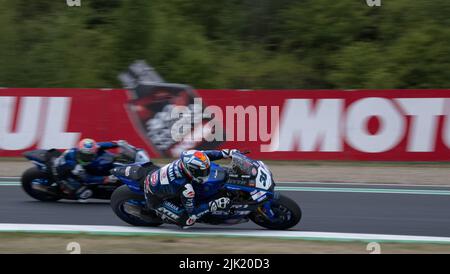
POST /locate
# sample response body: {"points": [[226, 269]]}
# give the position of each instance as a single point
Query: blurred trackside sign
{"points": [[363, 125], [43, 118], [328, 125], [26, 121], [375, 125]]}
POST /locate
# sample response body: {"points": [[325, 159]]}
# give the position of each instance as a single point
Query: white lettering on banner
{"points": [[26, 131], [309, 127], [36, 115], [424, 112], [55, 135], [326, 124], [390, 132]]}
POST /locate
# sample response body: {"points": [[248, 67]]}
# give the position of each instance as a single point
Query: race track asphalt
{"points": [[324, 211]]}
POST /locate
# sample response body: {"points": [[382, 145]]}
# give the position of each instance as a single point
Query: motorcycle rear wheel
{"points": [[27, 179], [120, 197]]}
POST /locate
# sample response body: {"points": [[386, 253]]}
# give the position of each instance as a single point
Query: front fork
{"points": [[266, 210]]}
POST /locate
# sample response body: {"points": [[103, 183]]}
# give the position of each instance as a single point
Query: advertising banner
{"points": [[373, 125]]}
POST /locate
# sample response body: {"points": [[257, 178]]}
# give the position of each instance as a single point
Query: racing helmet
{"points": [[196, 165], [87, 150]]}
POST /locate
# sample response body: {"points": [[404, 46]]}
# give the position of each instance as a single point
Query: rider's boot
{"points": [[69, 186], [84, 193], [76, 189]]}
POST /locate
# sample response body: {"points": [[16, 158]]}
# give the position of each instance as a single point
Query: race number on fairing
{"points": [[263, 177]]}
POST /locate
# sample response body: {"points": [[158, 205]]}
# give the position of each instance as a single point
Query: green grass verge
{"points": [[167, 244]]}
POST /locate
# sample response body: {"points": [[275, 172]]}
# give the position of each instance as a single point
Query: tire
{"points": [[27, 181], [119, 197], [296, 215]]}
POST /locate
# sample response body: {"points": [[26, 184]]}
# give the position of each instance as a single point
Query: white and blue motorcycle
{"points": [[248, 183]]}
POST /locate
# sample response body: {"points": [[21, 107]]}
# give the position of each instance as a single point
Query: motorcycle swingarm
{"points": [[47, 189]]}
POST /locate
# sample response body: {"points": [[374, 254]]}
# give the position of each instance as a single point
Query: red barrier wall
{"points": [[391, 125]]}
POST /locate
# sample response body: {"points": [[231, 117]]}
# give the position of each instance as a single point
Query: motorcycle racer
{"points": [[178, 180], [89, 161]]}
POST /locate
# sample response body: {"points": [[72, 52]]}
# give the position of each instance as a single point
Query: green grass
{"points": [[57, 243]]}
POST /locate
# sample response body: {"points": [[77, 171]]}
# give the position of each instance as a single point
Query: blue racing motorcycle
{"points": [[248, 183], [41, 181]]}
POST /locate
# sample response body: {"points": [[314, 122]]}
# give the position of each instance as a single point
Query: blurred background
{"points": [[257, 44], [211, 45]]}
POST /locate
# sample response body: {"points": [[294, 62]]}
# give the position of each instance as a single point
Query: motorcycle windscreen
{"points": [[243, 166]]}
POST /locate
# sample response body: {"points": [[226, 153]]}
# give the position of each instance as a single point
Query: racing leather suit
{"points": [[165, 187], [71, 174]]}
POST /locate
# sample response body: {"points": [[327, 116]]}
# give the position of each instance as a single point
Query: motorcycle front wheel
{"points": [[287, 214]]}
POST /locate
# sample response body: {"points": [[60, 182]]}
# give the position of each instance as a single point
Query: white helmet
{"points": [[196, 164]]}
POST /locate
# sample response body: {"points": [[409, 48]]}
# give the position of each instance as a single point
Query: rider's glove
{"points": [[220, 203], [227, 153], [121, 143], [124, 144]]}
